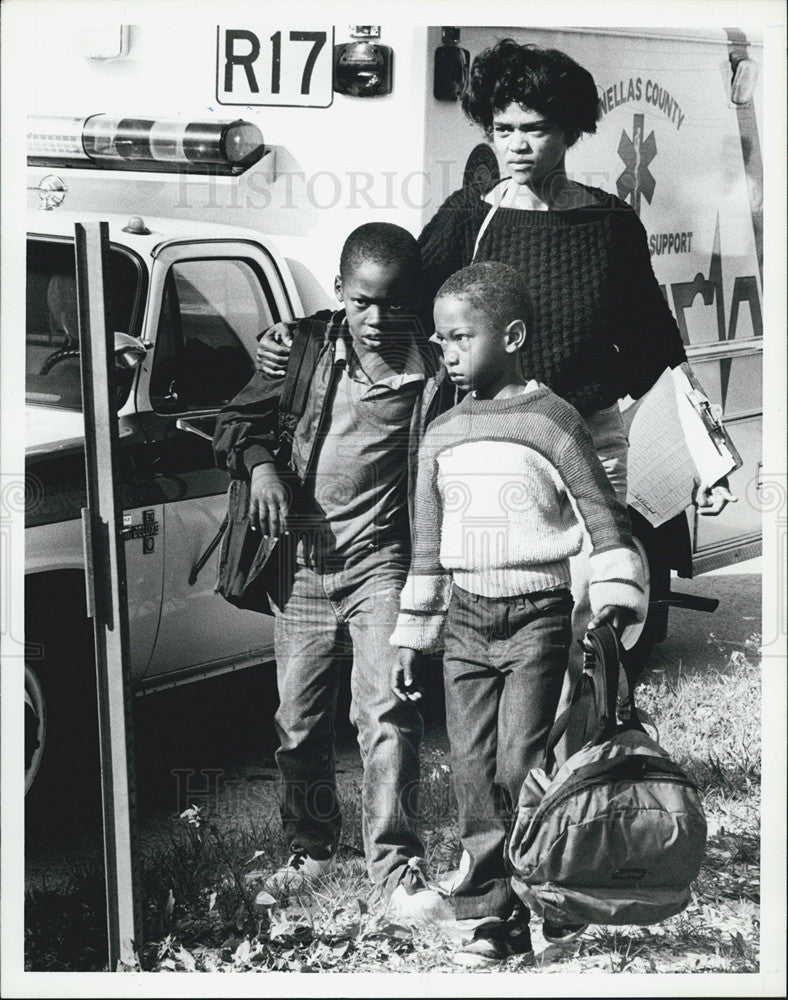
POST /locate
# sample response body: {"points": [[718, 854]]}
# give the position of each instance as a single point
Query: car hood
{"points": [[51, 429]]}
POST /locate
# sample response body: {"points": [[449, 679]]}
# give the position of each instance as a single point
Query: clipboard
{"points": [[686, 383], [676, 443]]}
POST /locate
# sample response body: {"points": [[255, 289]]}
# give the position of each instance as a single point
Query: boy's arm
{"points": [[244, 442], [274, 344], [425, 596], [617, 573], [246, 428]]}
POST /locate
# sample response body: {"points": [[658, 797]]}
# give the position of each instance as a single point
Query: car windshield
{"points": [[52, 333]]}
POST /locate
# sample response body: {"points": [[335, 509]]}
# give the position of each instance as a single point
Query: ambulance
{"points": [[230, 168]]}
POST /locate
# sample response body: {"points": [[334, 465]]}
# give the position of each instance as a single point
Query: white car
{"points": [[196, 295]]}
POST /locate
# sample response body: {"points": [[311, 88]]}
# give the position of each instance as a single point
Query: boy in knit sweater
{"points": [[508, 482]]}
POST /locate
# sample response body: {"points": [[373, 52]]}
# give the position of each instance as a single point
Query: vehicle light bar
{"points": [[115, 143]]}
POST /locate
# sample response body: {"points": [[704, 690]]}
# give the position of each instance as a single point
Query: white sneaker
{"points": [[452, 880], [300, 871], [415, 902], [422, 906]]}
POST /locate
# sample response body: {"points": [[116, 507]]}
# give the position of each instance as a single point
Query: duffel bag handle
{"points": [[602, 652]]}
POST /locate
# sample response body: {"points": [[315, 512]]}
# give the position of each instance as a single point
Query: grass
{"points": [[203, 909]]}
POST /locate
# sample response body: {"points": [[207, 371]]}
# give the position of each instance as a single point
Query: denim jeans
{"points": [[504, 663], [329, 615]]}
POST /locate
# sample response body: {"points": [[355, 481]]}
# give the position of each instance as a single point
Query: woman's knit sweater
{"points": [[601, 327], [505, 490]]}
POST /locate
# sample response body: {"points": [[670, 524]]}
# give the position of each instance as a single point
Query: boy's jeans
{"points": [[359, 603], [504, 664]]}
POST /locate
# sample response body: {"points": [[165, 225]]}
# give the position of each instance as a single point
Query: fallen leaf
{"points": [[280, 926], [212, 901], [242, 952], [186, 959]]}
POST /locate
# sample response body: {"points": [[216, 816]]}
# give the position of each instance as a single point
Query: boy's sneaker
{"points": [[454, 879], [495, 941], [300, 871], [562, 934], [414, 901]]}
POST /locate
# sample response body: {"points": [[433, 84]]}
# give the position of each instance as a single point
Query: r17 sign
{"points": [[284, 67]]}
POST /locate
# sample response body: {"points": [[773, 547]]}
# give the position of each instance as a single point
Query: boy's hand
{"points": [[273, 350], [618, 617], [268, 501], [404, 672]]}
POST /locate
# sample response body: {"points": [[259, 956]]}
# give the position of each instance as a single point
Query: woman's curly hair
{"points": [[545, 80]]}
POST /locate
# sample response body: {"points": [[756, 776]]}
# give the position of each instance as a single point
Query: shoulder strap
{"points": [[301, 365], [498, 195], [293, 398]]}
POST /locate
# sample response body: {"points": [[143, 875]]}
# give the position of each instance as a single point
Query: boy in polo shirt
{"points": [[375, 388]]}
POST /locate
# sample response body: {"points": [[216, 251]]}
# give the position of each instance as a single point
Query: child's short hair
{"points": [[383, 243], [493, 288]]}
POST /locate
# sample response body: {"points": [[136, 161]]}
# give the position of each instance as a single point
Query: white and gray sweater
{"points": [[506, 489]]}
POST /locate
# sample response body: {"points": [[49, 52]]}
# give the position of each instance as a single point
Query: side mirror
{"points": [[129, 352]]}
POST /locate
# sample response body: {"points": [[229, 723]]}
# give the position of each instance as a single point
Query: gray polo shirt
{"points": [[356, 497]]}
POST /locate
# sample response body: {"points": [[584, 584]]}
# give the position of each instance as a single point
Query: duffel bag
{"points": [[253, 570], [618, 833]]}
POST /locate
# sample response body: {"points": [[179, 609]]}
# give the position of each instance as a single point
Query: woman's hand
{"points": [[404, 672], [269, 501], [712, 499], [273, 350]]}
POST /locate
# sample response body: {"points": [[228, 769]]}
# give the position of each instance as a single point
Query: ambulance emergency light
{"points": [[116, 143], [363, 69]]}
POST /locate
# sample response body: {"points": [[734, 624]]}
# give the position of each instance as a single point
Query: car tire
{"points": [[35, 726], [62, 763]]}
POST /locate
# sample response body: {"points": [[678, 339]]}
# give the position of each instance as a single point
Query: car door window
{"points": [[52, 364], [212, 311]]}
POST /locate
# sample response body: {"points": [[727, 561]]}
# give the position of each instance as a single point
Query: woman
{"points": [[602, 329]]}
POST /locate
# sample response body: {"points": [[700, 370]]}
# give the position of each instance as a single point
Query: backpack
{"points": [[618, 834], [254, 570]]}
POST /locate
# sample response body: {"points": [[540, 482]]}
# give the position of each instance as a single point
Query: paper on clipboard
{"points": [[674, 445]]}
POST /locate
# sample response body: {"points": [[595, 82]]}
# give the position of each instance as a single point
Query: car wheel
{"points": [[62, 761], [35, 726]]}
